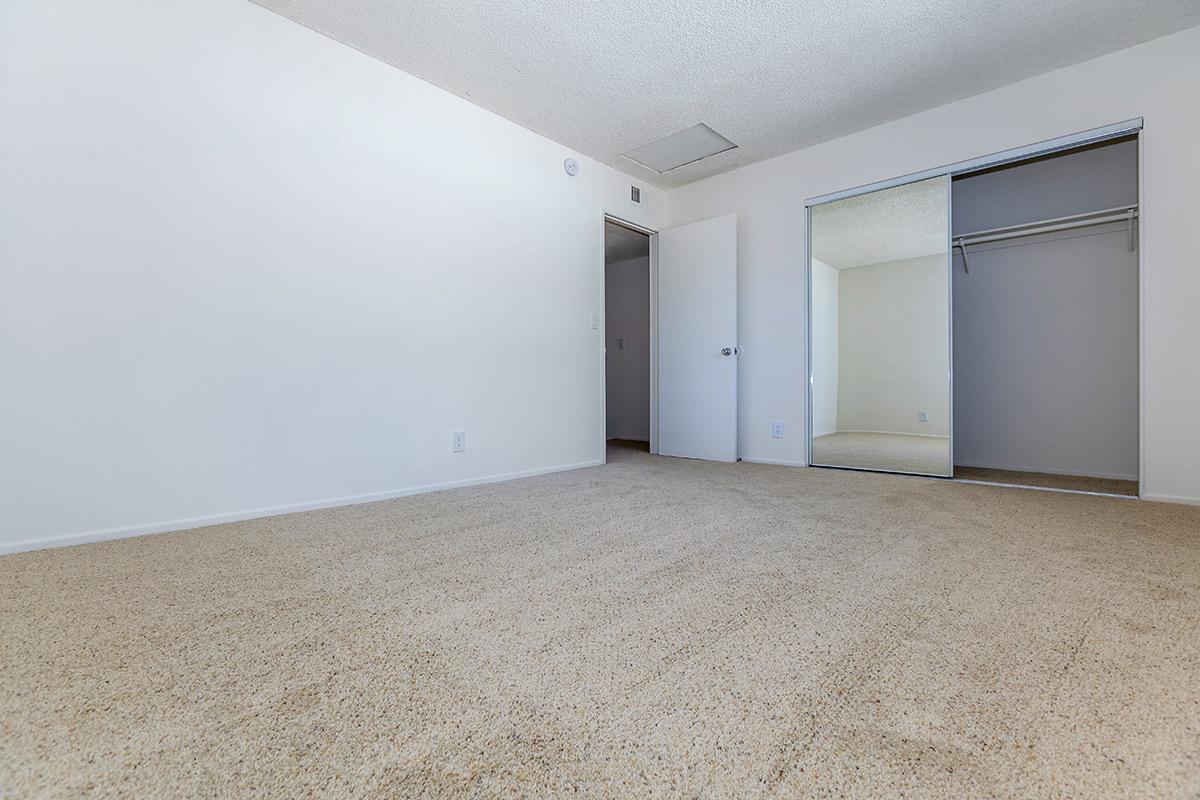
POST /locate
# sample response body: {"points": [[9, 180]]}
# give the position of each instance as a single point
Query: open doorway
{"points": [[627, 331], [670, 344]]}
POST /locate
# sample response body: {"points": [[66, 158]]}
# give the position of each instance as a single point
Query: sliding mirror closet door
{"points": [[879, 330]]}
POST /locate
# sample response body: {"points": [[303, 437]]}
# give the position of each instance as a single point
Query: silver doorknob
{"points": [[726, 351]]}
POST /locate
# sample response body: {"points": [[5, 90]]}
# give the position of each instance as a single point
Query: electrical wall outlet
{"points": [[777, 430], [460, 441], [922, 416]]}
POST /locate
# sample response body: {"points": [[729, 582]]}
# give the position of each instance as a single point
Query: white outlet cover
{"points": [[571, 167]]}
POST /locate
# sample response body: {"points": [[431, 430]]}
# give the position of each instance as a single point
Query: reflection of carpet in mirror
{"points": [[897, 452]]}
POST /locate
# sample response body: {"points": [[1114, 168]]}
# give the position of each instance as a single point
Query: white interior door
{"points": [[697, 340]]}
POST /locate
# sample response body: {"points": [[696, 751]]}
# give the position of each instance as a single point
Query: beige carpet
{"points": [[895, 452], [1079, 483], [652, 628]]}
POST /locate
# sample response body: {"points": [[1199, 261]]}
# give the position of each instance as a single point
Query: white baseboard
{"points": [[108, 534], [774, 462], [1172, 498], [1069, 473]]}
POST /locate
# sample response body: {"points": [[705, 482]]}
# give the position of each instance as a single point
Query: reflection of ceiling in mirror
{"points": [[889, 225]]}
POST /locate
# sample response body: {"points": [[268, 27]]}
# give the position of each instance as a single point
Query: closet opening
{"points": [[627, 331], [1045, 321]]}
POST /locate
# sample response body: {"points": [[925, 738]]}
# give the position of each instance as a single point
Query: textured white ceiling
{"points": [[604, 78], [622, 244], [888, 225]]}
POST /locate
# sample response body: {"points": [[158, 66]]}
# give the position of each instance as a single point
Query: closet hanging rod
{"points": [[1105, 216]]}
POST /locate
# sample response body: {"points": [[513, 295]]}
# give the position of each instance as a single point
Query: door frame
{"points": [[1130, 127], [607, 217]]}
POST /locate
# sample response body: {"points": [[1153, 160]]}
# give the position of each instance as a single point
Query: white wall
{"points": [[1046, 328], [246, 268], [894, 347], [825, 347], [627, 317], [1156, 80]]}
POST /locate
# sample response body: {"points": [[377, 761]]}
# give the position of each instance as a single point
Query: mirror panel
{"points": [[880, 330]]}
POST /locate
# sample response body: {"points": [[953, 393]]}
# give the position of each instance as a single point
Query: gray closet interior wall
{"points": [[1046, 327]]}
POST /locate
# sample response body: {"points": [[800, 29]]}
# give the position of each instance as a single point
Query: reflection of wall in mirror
{"points": [[893, 347], [824, 348]]}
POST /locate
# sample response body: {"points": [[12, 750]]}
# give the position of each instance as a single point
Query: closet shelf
{"points": [[1126, 214]]}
